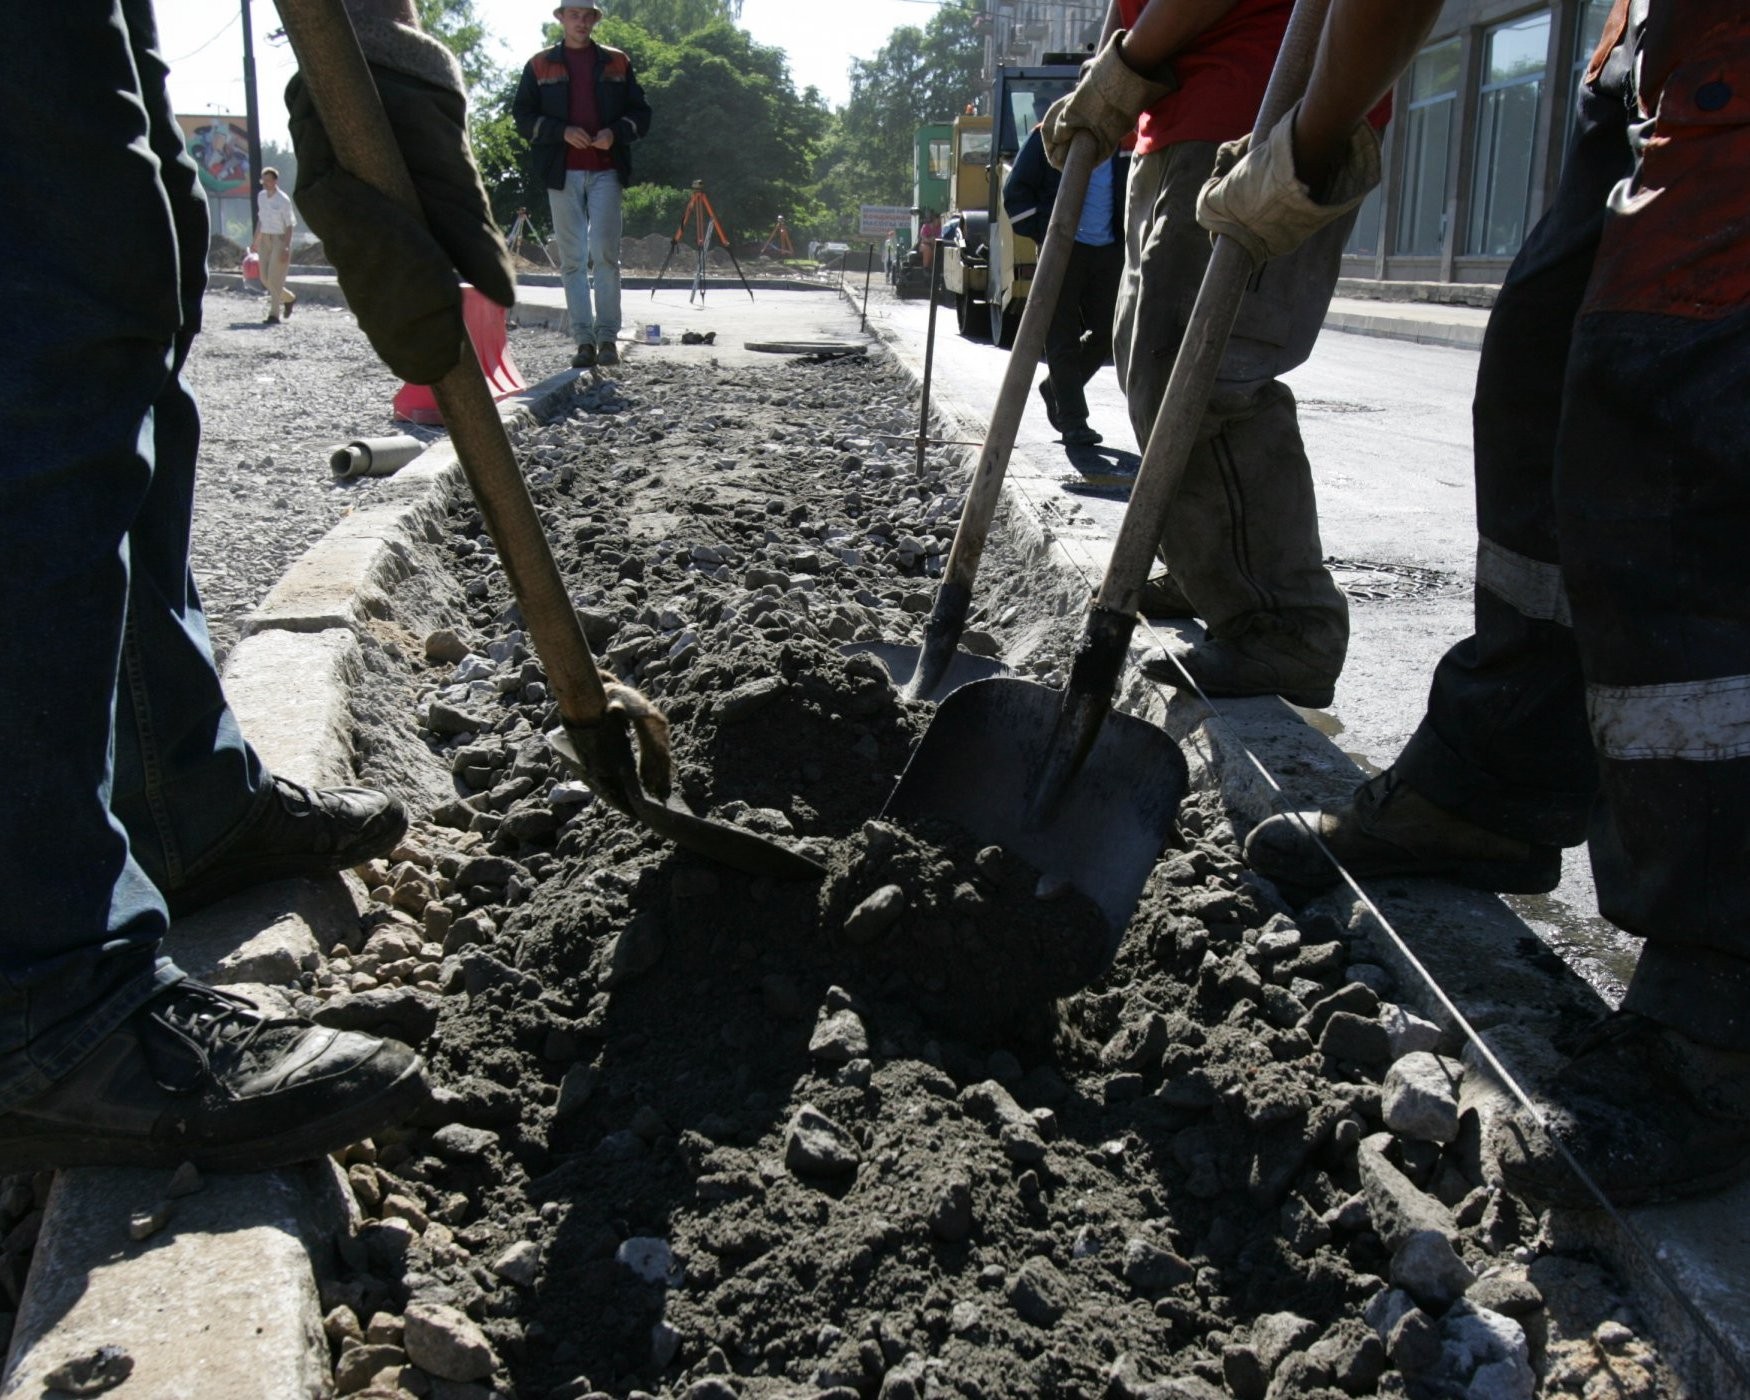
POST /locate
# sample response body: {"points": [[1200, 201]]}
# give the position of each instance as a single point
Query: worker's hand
{"points": [[1255, 197], [1107, 101], [399, 275], [578, 139], [603, 138]]}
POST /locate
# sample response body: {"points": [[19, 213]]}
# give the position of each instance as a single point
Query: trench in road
{"points": [[1387, 428]]}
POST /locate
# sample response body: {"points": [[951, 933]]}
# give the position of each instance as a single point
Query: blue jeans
{"points": [[586, 226], [123, 762]]}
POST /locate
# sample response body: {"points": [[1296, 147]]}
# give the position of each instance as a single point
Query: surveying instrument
{"points": [[779, 240], [521, 228], [705, 224]]}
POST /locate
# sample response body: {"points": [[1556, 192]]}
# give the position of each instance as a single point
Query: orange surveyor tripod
{"points": [[779, 239], [705, 224]]}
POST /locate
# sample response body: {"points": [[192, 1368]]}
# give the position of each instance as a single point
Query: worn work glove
{"points": [[1255, 198], [1107, 100], [400, 278], [649, 727]]}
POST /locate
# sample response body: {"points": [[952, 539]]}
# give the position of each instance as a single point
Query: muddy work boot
{"points": [[295, 830], [1388, 828], [200, 1076], [607, 353], [1265, 656], [1649, 1113], [584, 358]]}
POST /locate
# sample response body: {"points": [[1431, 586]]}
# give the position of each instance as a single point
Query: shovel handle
{"points": [[1199, 360], [339, 79], [1005, 419]]}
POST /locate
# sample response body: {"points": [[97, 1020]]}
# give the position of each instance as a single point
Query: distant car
{"points": [[828, 250]]}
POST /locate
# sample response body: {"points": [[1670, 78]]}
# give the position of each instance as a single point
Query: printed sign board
{"points": [[879, 220], [220, 149]]}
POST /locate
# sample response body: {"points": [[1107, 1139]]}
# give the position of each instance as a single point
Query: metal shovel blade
{"points": [[904, 665], [733, 846], [975, 766]]}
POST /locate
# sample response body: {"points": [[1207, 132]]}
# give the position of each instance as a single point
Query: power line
{"points": [[209, 43]]}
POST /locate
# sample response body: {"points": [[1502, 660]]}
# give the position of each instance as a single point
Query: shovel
{"points": [[940, 665], [595, 731], [1086, 796]]}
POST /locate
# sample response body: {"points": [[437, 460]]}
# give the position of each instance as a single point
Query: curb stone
{"points": [[223, 1301], [1476, 950]]}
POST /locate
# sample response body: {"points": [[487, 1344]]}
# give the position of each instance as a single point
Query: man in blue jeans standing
{"points": [[131, 794], [580, 108]]}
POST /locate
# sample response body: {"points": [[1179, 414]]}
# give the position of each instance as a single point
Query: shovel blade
{"points": [[975, 766], [733, 846], [902, 662]]}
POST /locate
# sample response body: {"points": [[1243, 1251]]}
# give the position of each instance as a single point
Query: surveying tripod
{"points": [[523, 227], [705, 224], [779, 239]]}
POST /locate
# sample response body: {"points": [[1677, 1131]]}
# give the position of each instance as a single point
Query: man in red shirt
{"points": [[1242, 543], [579, 107]]}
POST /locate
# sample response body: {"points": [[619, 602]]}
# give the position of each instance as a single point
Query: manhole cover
{"points": [[1375, 581]]}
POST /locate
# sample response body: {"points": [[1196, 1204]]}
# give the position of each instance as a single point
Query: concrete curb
{"points": [[1458, 944], [223, 1301]]}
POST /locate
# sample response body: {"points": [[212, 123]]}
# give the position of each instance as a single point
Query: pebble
{"points": [[1420, 1097], [444, 1342], [816, 1146], [875, 914], [839, 1038], [520, 1264]]}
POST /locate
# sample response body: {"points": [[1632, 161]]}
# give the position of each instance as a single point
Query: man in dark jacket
{"points": [[1080, 335], [579, 107]]}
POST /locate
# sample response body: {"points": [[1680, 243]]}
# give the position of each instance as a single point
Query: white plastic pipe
{"points": [[374, 456]]}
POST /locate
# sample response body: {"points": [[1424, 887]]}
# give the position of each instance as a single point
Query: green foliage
{"points": [[653, 209], [459, 29], [918, 76], [673, 19]]}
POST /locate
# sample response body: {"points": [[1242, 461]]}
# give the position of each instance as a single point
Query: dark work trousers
{"points": [[1606, 691], [1080, 336]]}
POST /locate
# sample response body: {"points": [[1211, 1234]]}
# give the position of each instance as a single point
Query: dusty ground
{"points": [[705, 1134]]}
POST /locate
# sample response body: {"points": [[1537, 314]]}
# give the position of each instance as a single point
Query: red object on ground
{"points": [[252, 266], [485, 320]]}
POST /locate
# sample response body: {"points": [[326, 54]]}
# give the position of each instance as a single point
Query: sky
{"points": [[204, 44]]}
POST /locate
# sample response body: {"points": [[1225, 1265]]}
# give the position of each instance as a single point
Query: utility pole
{"points": [[251, 114]]}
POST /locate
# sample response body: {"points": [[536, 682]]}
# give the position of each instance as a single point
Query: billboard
{"points": [[220, 149], [879, 220]]}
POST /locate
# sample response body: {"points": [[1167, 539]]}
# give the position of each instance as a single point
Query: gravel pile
{"points": [[707, 1135], [711, 1135]]}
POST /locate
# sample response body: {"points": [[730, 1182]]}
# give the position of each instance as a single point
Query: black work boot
{"points": [[1266, 655], [296, 830], [1649, 1113], [199, 1076], [1079, 434], [584, 358], [607, 353], [1388, 828]]}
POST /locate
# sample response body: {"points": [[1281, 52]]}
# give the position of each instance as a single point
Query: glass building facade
{"points": [[1479, 125]]}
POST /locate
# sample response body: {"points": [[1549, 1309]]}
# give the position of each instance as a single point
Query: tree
{"points": [[455, 25], [918, 76], [675, 19]]}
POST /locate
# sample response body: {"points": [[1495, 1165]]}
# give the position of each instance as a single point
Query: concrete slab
{"points": [[221, 1303], [290, 690]]}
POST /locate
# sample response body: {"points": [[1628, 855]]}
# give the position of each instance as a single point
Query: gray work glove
{"points": [[1107, 100], [400, 278], [1255, 198]]}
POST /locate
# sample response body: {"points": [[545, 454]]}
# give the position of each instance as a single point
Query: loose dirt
{"points": [[713, 1135]]}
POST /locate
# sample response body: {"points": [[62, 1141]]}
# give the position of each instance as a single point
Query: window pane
{"points": [[1427, 151], [1517, 50], [1435, 72], [1501, 189]]}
